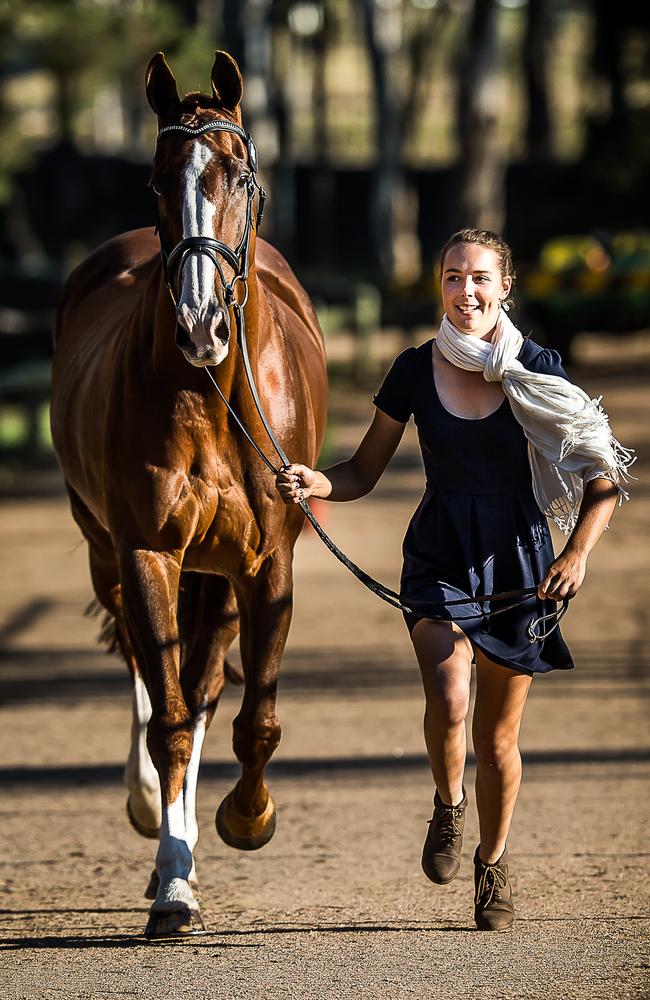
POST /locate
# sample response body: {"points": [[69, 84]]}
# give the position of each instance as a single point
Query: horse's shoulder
{"points": [[128, 258]]}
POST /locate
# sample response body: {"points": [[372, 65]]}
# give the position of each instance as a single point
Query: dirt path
{"points": [[336, 906]]}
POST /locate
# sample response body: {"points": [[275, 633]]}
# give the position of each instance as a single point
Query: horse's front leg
{"points": [[150, 600], [246, 817]]}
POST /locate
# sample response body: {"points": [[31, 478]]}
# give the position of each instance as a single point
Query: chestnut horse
{"points": [[187, 535]]}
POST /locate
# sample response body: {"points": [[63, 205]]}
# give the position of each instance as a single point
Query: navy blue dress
{"points": [[477, 528]]}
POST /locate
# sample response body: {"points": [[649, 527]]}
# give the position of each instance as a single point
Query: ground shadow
{"points": [[207, 939], [101, 775]]}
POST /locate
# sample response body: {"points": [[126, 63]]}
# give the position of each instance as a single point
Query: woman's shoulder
{"points": [[397, 394], [413, 354], [541, 360], [411, 359]]}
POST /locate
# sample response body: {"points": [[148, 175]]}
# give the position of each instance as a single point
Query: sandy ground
{"points": [[336, 906]]}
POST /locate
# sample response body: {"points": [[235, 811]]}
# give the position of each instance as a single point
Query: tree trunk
{"points": [[535, 51], [233, 32], [481, 197], [382, 39]]}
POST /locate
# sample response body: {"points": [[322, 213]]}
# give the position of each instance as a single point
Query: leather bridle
{"points": [[173, 263], [174, 260]]}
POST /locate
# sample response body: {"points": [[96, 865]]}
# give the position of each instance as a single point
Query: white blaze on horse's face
{"points": [[199, 310]]}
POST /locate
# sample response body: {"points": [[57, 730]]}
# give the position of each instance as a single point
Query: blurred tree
{"points": [[13, 151], [383, 31], [616, 25], [399, 39], [538, 39], [481, 194], [233, 31], [82, 46], [617, 150]]}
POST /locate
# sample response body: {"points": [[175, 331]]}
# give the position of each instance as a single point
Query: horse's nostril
{"points": [[182, 337]]}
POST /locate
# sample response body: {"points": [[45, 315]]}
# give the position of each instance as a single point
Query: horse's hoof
{"points": [[244, 832], [180, 922], [154, 884], [152, 832]]}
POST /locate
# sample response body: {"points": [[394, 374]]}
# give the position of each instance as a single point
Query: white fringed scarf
{"points": [[569, 438]]}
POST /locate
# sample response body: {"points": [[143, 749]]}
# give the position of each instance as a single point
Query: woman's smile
{"points": [[473, 288]]}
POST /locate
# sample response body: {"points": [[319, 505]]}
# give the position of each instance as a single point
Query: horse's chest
{"points": [[235, 535]]}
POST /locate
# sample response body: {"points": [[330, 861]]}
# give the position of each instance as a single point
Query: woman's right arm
{"points": [[351, 479]]}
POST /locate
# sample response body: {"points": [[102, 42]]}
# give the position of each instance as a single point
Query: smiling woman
{"points": [[506, 442], [477, 279]]}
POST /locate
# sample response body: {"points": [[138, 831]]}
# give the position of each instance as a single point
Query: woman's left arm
{"points": [[566, 573]]}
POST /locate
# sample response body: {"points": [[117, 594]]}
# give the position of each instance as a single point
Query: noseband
{"points": [[174, 261]]}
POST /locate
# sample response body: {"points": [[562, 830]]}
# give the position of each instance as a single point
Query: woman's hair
{"points": [[483, 238]]}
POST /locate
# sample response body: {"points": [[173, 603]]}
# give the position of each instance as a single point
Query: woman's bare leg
{"points": [[500, 699], [445, 657]]}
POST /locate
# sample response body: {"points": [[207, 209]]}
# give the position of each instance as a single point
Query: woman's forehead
{"points": [[471, 257]]}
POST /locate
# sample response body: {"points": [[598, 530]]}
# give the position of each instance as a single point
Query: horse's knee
{"points": [[170, 748], [254, 740]]}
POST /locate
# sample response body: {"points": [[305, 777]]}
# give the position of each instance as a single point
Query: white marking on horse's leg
{"points": [[189, 789], [174, 860], [140, 775]]}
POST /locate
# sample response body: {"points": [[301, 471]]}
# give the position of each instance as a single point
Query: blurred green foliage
{"points": [[82, 45]]}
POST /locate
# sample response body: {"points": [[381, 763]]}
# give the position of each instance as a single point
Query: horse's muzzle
{"points": [[203, 354], [203, 332]]}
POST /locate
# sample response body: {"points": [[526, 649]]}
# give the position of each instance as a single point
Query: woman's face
{"points": [[473, 288]]}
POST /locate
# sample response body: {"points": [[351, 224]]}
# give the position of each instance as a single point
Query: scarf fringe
{"points": [[593, 423]]}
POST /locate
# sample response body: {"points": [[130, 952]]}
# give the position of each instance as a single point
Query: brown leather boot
{"points": [[493, 908], [441, 851]]}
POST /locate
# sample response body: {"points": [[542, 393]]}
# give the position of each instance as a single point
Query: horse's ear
{"points": [[160, 86], [227, 84]]}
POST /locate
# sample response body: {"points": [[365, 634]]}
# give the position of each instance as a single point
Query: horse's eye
{"points": [[242, 180]]}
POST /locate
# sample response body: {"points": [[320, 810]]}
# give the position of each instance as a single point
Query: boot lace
{"points": [[447, 823], [490, 884]]}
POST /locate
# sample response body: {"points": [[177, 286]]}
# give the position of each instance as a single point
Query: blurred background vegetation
{"points": [[382, 126]]}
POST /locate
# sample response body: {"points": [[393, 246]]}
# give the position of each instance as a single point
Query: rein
{"points": [[238, 260]]}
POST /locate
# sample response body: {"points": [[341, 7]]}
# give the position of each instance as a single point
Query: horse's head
{"points": [[204, 176]]}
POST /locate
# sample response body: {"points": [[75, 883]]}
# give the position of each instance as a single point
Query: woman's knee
{"points": [[448, 707], [445, 658], [496, 747]]}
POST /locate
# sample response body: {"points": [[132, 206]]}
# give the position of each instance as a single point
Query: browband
{"points": [[219, 125]]}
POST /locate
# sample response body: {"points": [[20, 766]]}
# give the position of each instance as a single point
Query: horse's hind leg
{"points": [[140, 776], [246, 817], [143, 803]]}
